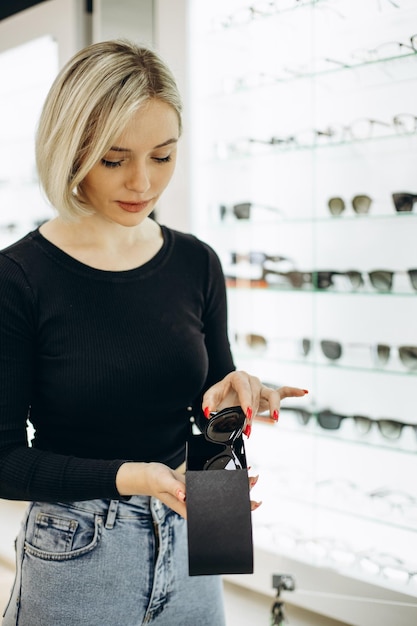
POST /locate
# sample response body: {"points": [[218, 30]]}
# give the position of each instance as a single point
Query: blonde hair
{"points": [[88, 105]]}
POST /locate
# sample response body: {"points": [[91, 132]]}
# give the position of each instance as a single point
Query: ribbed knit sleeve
{"points": [[27, 473], [215, 322]]}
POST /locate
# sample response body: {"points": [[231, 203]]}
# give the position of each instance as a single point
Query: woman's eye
{"points": [[166, 159], [111, 163]]}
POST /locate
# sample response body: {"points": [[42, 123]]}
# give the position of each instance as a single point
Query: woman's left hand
{"points": [[240, 388]]}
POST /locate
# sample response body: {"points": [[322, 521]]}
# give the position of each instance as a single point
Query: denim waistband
{"points": [[136, 506]]}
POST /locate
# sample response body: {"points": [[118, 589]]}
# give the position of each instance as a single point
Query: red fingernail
{"points": [[206, 412], [247, 430], [253, 480], [249, 413], [275, 415], [305, 390]]}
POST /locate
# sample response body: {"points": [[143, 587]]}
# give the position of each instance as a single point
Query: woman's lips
{"points": [[133, 207]]}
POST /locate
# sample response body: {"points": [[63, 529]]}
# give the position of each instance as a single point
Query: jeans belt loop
{"points": [[111, 514]]}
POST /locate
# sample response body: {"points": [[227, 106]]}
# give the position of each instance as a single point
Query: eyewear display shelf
{"points": [[304, 149]]}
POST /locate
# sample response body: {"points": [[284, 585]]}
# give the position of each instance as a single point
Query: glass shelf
{"points": [[244, 287], [287, 146], [308, 362], [253, 86], [326, 219]]}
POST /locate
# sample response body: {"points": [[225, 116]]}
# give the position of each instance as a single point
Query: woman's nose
{"points": [[138, 179]]}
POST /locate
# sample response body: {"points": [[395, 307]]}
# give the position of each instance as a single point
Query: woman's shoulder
{"points": [[19, 253], [20, 246]]}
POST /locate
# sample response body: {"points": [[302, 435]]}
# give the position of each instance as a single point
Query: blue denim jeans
{"points": [[108, 563]]}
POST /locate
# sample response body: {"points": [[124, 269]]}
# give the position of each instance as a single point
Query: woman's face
{"points": [[124, 186]]}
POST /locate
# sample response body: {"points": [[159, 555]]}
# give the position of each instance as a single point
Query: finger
{"points": [[175, 504], [254, 505], [235, 388], [291, 392], [213, 396], [256, 389], [271, 398], [252, 481]]}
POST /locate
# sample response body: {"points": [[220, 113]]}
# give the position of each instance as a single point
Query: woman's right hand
{"points": [[153, 479]]}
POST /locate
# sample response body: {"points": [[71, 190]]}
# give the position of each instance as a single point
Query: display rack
{"points": [[304, 128]]}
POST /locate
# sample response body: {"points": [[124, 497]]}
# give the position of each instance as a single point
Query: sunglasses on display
{"points": [[388, 501], [382, 501], [381, 280], [333, 350], [386, 50], [340, 553], [243, 210], [358, 130], [259, 10], [381, 353], [360, 204], [329, 420], [256, 258], [404, 202], [224, 428], [294, 278]]}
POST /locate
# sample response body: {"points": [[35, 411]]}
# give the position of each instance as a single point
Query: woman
{"points": [[112, 341]]}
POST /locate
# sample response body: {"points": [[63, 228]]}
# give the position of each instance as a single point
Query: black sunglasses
{"points": [[381, 280], [242, 210], [329, 420], [257, 258], [381, 352], [403, 201], [225, 428]]}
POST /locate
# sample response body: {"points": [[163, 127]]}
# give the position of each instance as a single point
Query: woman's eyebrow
{"points": [[160, 145]]}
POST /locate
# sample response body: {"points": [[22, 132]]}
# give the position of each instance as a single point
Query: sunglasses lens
{"points": [[413, 278], [405, 123], [390, 429], [361, 204], [306, 346], [323, 280], [408, 356], [242, 210], [336, 206], [404, 201], [225, 427], [382, 353], [331, 349], [303, 416], [362, 423], [329, 420], [381, 280], [255, 341], [296, 279], [355, 278], [221, 462]]}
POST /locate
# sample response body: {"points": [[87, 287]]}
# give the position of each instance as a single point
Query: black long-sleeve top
{"points": [[105, 365]]}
